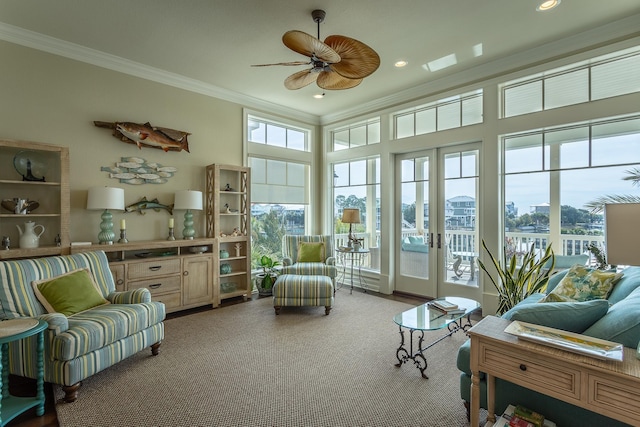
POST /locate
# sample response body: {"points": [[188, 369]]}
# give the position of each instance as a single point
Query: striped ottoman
{"points": [[297, 290]]}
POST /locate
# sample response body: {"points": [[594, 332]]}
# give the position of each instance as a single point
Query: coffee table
{"points": [[426, 317]]}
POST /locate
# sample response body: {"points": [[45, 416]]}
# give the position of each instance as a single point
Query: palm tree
{"points": [[597, 205]]}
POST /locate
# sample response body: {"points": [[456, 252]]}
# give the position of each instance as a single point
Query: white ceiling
{"points": [[213, 43]]}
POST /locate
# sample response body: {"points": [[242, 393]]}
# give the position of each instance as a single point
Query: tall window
{"points": [[280, 160], [357, 185], [554, 181]]}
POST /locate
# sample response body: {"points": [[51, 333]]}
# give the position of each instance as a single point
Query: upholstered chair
{"points": [[310, 255]]}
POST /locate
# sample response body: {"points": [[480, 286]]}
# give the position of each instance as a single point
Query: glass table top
{"points": [[426, 317]]}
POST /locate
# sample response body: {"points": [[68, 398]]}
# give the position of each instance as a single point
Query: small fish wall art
{"points": [[136, 171], [145, 204], [146, 135]]}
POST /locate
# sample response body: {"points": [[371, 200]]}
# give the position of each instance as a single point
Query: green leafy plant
{"points": [[269, 273], [516, 282], [600, 256]]}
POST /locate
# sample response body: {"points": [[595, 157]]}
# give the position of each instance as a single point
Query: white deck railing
{"points": [[467, 241]]}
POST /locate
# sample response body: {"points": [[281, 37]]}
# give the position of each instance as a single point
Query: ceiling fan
{"points": [[339, 62]]}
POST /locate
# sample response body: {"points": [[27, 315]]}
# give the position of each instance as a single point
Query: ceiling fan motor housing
{"points": [[318, 15]]}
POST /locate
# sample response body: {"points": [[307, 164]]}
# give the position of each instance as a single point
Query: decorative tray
{"points": [[568, 341]]}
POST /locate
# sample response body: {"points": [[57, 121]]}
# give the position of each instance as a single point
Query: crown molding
{"points": [[34, 40], [624, 29]]}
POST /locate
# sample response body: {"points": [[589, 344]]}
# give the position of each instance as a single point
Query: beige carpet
{"points": [[243, 366]]}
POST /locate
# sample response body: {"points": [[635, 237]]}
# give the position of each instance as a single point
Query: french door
{"points": [[436, 228]]}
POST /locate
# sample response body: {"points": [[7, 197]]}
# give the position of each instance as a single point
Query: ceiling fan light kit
{"points": [[339, 62]]}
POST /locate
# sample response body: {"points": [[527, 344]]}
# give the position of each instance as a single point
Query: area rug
{"points": [[242, 365]]}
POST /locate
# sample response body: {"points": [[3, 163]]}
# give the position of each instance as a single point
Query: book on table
{"points": [[444, 305]]}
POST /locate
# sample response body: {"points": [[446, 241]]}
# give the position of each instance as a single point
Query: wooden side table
{"points": [[610, 388], [10, 331]]}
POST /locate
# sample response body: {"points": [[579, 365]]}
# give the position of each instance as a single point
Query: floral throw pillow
{"points": [[583, 283]]}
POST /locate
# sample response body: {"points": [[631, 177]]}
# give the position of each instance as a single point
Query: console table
{"points": [[609, 388]]}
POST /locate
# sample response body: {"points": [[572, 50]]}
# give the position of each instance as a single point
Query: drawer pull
{"points": [[120, 282], [523, 367], [155, 285], [185, 273], [155, 268]]}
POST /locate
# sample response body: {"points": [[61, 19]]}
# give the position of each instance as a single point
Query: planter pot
{"points": [[265, 289]]}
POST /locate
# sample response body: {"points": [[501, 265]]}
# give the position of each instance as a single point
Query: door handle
{"points": [[439, 241], [431, 240]]}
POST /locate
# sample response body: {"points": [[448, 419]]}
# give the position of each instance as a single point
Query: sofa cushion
{"points": [[555, 281], [568, 316], [621, 324], [531, 299], [69, 293], [311, 252], [626, 285], [103, 325], [583, 284]]}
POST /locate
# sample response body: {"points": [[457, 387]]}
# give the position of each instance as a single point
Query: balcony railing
{"points": [[467, 241]]}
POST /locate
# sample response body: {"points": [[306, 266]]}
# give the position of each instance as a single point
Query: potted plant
{"points": [[266, 279], [516, 282]]}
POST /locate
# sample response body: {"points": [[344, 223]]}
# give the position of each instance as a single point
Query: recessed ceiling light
{"points": [[547, 5], [400, 64], [318, 95]]}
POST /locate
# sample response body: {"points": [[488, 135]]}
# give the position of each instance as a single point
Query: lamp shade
{"points": [[188, 200], [622, 225], [100, 198], [351, 216]]}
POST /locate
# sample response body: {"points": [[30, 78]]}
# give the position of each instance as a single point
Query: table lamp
{"points": [[188, 200], [351, 216], [99, 198]]}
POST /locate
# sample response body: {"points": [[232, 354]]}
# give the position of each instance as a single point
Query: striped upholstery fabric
{"points": [[85, 343], [295, 290], [290, 254]]}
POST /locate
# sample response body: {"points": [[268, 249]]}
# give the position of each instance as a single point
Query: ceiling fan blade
{"points": [[333, 81], [300, 79], [283, 63], [310, 46], [358, 59]]}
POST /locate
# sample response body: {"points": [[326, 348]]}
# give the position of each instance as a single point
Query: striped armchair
{"points": [[290, 244], [85, 343]]}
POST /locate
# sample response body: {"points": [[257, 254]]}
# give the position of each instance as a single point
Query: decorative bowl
{"points": [[198, 249], [227, 287], [27, 205], [225, 268]]}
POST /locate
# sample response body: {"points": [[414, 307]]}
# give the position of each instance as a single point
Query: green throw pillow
{"points": [[311, 252], [69, 293], [583, 284]]}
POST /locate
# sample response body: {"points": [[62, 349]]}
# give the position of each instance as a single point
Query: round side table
{"points": [[15, 330]]}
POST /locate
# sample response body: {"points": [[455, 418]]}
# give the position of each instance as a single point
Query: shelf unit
{"points": [[172, 270], [52, 196], [227, 186]]}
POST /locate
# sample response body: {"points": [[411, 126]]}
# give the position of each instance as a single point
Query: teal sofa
{"points": [[84, 343], [617, 321]]}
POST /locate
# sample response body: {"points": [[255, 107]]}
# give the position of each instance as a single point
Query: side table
{"points": [[353, 258], [10, 331]]}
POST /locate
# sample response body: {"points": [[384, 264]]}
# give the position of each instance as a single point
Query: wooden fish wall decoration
{"points": [[136, 171], [144, 204], [145, 135]]}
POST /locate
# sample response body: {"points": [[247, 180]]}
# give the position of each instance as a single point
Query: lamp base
{"points": [[188, 232], [106, 235]]}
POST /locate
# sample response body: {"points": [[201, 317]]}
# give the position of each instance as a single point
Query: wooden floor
{"points": [[26, 387]]}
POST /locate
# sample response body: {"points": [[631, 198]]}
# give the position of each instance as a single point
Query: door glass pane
{"points": [[460, 243], [414, 242]]}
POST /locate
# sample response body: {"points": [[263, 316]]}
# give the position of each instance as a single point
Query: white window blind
{"points": [[277, 181]]}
